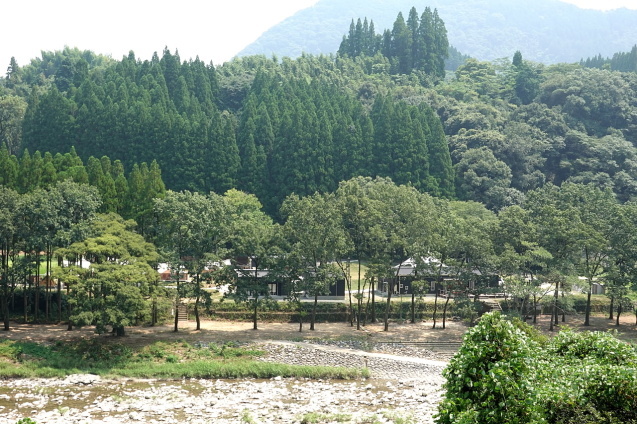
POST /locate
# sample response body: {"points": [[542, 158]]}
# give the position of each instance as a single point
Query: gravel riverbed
{"points": [[406, 386]]}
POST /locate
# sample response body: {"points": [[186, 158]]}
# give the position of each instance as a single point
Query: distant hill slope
{"points": [[546, 31]]}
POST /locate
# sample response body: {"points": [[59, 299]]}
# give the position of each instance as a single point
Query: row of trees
{"points": [[539, 248], [557, 235], [420, 43], [623, 61], [130, 196], [33, 226]]}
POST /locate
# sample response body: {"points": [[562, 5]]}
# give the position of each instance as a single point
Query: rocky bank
{"points": [[406, 386]]}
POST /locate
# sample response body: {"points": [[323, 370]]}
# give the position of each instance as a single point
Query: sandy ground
{"points": [[242, 331]]}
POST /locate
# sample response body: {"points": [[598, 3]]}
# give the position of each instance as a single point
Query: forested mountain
{"points": [[547, 31], [489, 132]]}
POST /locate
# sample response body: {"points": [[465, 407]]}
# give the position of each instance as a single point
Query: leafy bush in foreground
{"points": [[489, 379], [504, 374]]}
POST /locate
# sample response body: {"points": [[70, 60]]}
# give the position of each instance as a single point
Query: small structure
{"points": [[427, 270], [166, 273], [281, 287]]}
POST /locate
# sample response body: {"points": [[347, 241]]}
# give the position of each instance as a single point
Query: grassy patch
{"points": [[158, 360], [317, 418], [397, 418]]}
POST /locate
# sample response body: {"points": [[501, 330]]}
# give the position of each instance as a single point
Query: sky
{"points": [[213, 29]]}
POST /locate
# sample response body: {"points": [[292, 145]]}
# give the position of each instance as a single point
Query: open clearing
{"points": [[243, 332]]}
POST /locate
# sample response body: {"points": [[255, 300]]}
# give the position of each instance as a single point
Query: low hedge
{"points": [[325, 311]]}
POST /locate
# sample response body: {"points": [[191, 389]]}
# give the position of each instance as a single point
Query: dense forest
{"points": [[489, 132]]}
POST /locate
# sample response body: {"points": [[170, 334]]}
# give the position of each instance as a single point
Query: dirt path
{"points": [[243, 332]]}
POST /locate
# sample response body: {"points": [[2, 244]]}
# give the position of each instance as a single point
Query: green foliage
{"points": [[488, 381], [315, 418], [10, 350], [157, 360], [112, 291], [621, 61], [602, 348], [502, 374]]}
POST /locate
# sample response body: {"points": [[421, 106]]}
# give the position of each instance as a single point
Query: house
{"points": [[427, 270], [280, 286], [596, 288], [166, 273]]}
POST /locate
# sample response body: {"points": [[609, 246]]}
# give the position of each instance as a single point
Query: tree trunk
{"points": [[27, 285], [444, 312], [36, 302], [153, 313], [197, 303], [47, 292], [5, 284], [554, 311], [619, 312], [587, 319], [369, 298], [5, 312], [313, 318], [435, 307], [348, 280], [69, 309], [373, 320], [255, 312], [359, 297], [177, 299], [59, 290], [413, 307], [197, 320], [390, 289], [612, 306], [523, 309]]}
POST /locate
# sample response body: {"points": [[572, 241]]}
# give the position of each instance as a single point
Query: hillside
{"points": [[546, 31]]}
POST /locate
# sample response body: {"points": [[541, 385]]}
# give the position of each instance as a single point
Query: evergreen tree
{"points": [[400, 47], [8, 168], [440, 47], [440, 165]]}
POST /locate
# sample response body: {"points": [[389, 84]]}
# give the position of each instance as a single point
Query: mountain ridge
{"points": [[547, 31]]}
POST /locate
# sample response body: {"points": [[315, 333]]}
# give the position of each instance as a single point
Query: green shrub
{"points": [[603, 347], [489, 379], [507, 373], [26, 421], [589, 392]]}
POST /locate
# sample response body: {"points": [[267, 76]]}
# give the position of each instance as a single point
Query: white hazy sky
{"points": [[213, 29]]}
